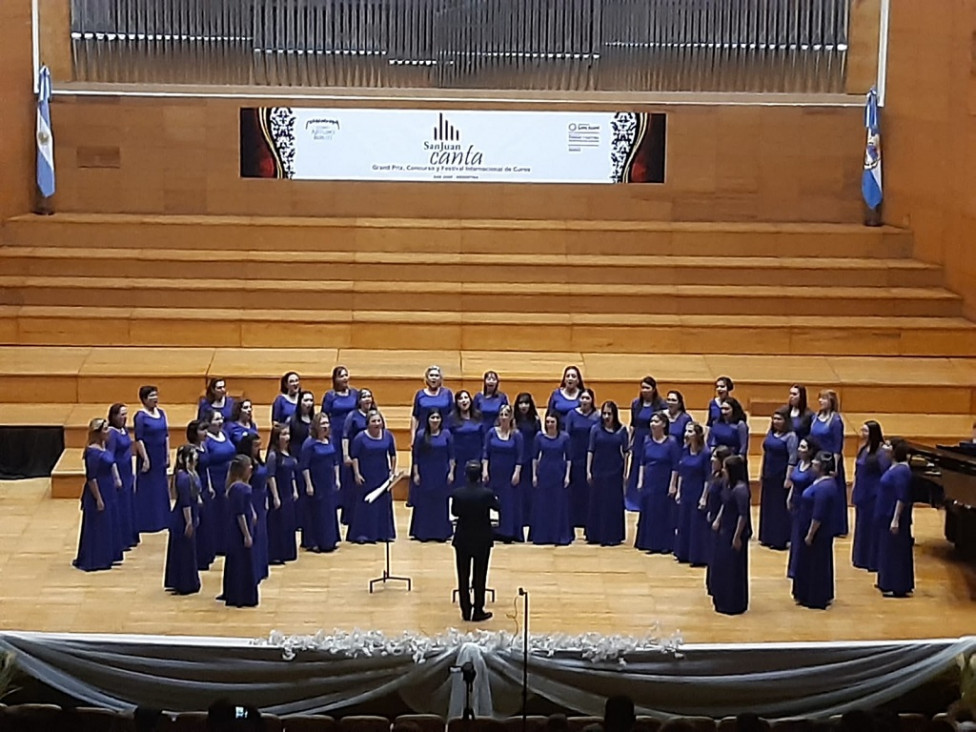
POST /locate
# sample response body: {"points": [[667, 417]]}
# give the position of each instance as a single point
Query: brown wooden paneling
{"points": [[864, 38], [16, 109]]}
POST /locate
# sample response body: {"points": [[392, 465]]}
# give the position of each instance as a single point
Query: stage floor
{"points": [[574, 589]]}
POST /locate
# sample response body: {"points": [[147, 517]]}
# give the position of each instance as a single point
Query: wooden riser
{"points": [[441, 236]]}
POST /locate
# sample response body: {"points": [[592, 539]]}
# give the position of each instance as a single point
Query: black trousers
{"points": [[472, 572]]}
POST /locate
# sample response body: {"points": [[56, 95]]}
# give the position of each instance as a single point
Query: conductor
{"points": [[473, 540]]}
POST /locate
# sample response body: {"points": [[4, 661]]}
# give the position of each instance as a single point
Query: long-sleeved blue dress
{"points": [[676, 426], [868, 470], [240, 583], [236, 431], [120, 445], [206, 526], [469, 442], [320, 459], [605, 523], [813, 581], [225, 410], [339, 407], [896, 564], [432, 457], [779, 457], [578, 427], [802, 476], [348, 490], [259, 499], [656, 524], [216, 461], [561, 405], [96, 541], [281, 521], [282, 408], [152, 487], [829, 434], [730, 566], [502, 456], [490, 406], [528, 429], [692, 536], [181, 574], [549, 523], [640, 427], [713, 504], [372, 522]]}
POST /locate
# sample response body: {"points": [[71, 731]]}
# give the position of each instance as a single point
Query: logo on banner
{"points": [[446, 148], [322, 130]]}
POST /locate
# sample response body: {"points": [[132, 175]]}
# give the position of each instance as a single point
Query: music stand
{"points": [[388, 575]]}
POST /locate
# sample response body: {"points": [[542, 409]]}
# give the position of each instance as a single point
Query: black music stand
{"points": [[388, 575]]}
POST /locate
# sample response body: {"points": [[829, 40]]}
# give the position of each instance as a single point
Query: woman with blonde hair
{"points": [[96, 544], [374, 461]]}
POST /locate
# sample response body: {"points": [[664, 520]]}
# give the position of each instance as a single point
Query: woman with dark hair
{"points": [[657, 485], [251, 446], [119, 445], [502, 459], [490, 399], [216, 461], [181, 575], [354, 424], [813, 581], [730, 429], [827, 429], [691, 538], [152, 448], [723, 389], [240, 583], [97, 543], [341, 400], [528, 424], [893, 521], [713, 505], [678, 417], [241, 422], [872, 462], [467, 432], [730, 565], [605, 464], [216, 400], [283, 489], [779, 457], [205, 533], [645, 406], [374, 461], [549, 523], [286, 402], [299, 428], [566, 397], [801, 415], [799, 479], [433, 477], [579, 423], [319, 465]]}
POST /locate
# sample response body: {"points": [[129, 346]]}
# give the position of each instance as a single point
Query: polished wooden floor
{"points": [[573, 589]]}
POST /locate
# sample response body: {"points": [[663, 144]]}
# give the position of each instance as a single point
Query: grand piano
{"points": [[945, 477]]}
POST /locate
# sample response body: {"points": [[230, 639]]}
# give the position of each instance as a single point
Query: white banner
{"points": [[454, 145]]}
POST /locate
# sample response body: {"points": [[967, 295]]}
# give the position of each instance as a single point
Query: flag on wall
{"points": [[871, 179], [45, 138]]}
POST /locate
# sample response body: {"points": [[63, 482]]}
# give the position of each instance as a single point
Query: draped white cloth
{"points": [[774, 680]]}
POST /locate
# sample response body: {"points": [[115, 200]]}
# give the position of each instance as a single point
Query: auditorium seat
{"points": [[647, 724], [700, 724], [726, 724], [190, 722], [909, 722], [426, 722], [272, 723], [533, 723], [32, 718], [95, 719], [364, 723], [792, 725], [578, 724], [479, 724], [308, 723]]}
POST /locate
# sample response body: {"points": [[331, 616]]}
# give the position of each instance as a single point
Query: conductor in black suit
{"points": [[473, 540]]}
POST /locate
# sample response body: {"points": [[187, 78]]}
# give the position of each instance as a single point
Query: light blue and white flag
{"points": [[871, 180], [45, 138]]}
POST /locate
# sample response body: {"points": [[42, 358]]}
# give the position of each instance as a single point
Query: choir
{"points": [[579, 467]]}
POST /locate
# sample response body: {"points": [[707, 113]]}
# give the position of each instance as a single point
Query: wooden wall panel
{"points": [[929, 134], [724, 162], [16, 109]]}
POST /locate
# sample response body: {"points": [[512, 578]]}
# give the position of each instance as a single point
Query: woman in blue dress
{"points": [[501, 460], [283, 490], [433, 479], [801, 415], [216, 400], [566, 397], [871, 463], [779, 458], [468, 433], [434, 395], [319, 464], [181, 575], [120, 445], [551, 464], [216, 461], [645, 406], [251, 446], [152, 448], [730, 429], [286, 402], [300, 427], [893, 517], [239, 582], [241, 422], [799, 479], [354, 424], [605, 464], [827, 429], [733, 526], [579, 424], [813, 581], [657, 485], [339, 402], [528, 424], [374, 461], [205, 531], [678, 417], [723, 389], [713, 505], [692, 536], [490, 399], [96, 542]]}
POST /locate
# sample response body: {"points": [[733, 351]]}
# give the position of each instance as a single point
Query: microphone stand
{"points": [[525, 657]]}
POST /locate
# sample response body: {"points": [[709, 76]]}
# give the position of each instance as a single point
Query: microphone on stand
{"points": [[525, 657]]}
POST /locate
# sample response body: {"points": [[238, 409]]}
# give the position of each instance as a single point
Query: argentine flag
{"points": [[871, 180], [45, 138]]}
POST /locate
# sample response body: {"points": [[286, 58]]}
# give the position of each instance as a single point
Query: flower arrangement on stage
{"points": [[593, 647]]}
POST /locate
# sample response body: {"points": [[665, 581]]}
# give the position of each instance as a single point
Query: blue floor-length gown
{"points": [[120, 445], [868, 470], [656, 524], [829, 434], [489, 406], [96, 543], [432, 457], [216, 461], [469, 442], [320, 459], [692, 536], [801, 476], [713, 504], [240, 582], [561, 405], [299, 430], [813, 581], [550, 523], [259, 500], [896, 564], [206, 529], [281, 520], [528, 429], [181, 574], [225, 410], [282, 408], [578, 427], [677, 425], [779, 457], [730, 566], [152, 487], [237, 431], [640, 426], [502, 456], [348, 490], [605, 523], [339, 407], [373, 522]]}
